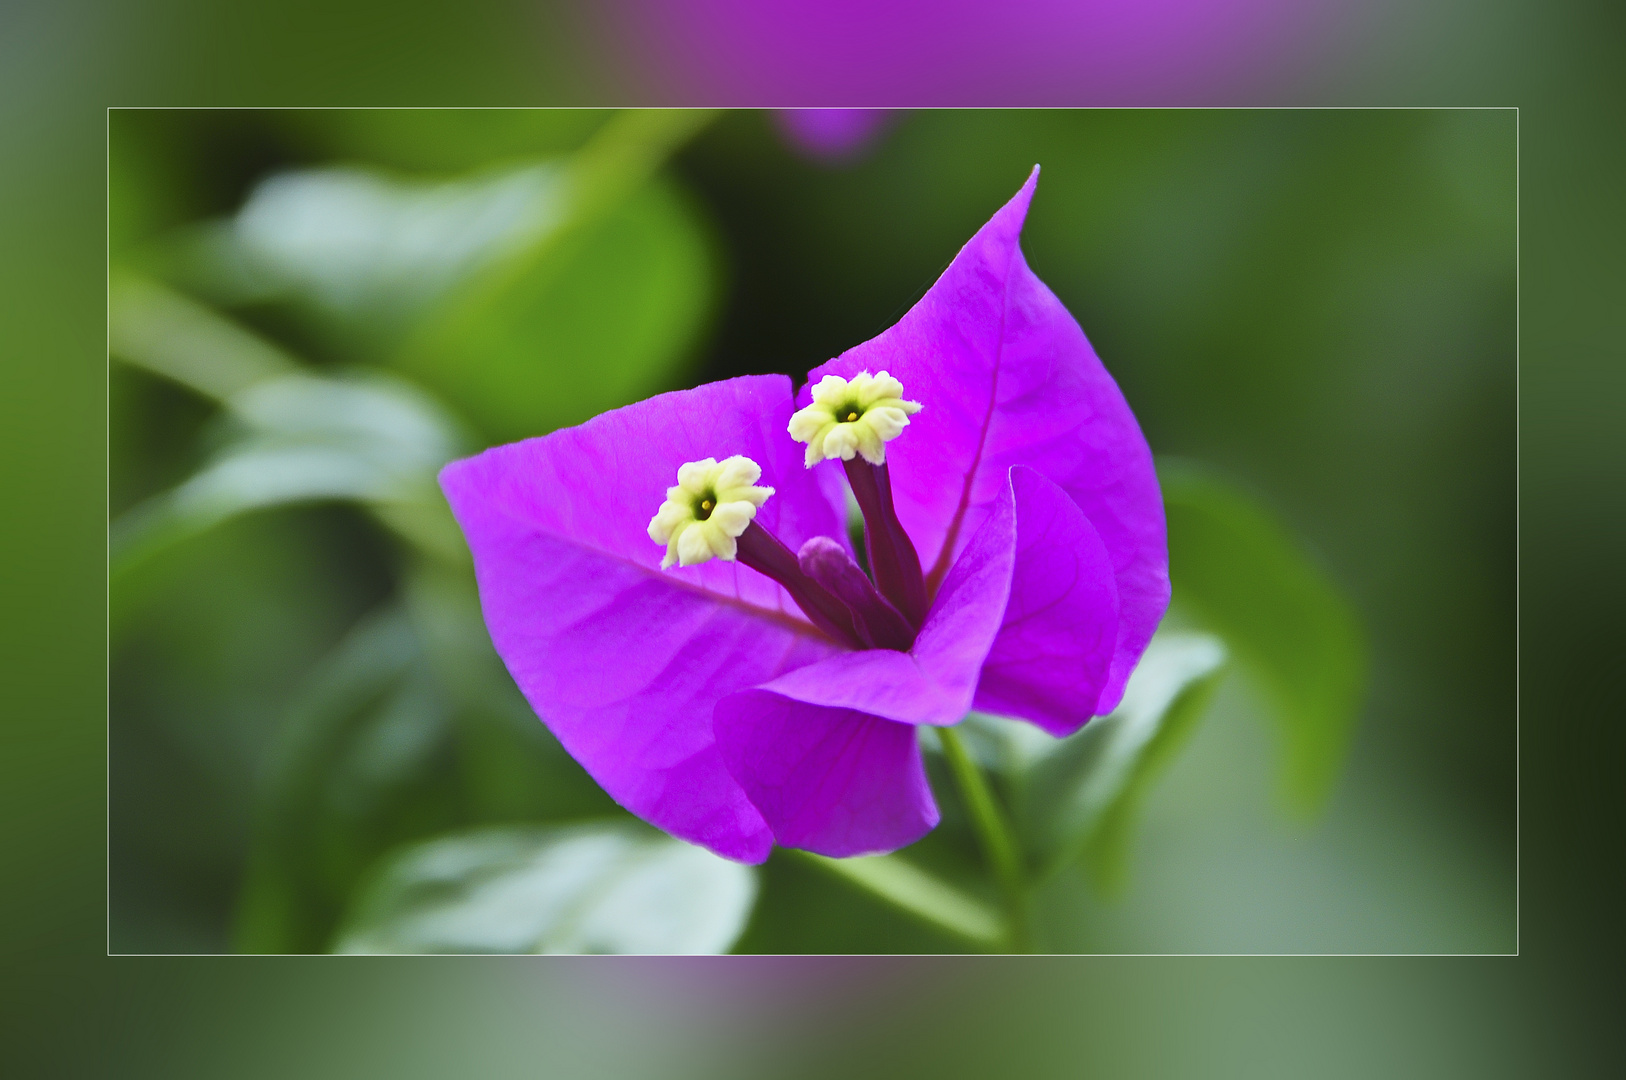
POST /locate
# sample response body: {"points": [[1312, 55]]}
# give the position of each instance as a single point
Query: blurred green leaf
{"points": [[589, 314], [1240, 574], [357, 770], [1006, 746], [595, 320], [371, 438], [171, 335], [911, 889], [530, 296], [371, 251], [299, 437], [410, 728], [1082, 794], [602, 888], [510, 765]]}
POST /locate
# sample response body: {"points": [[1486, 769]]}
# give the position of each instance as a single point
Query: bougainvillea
{"points": [[671, 585]]}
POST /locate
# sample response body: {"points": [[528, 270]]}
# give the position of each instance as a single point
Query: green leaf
{"points": [[1083, 794], [592, 313], [1239, 573], [368, 251], [299, 437], [529, 296], [409, 729], [911, 889], [601, 888], [168, 334], [598, 318], [356, 770]]}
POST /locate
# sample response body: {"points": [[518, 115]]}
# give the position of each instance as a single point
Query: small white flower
{"points": [[856, 417], [711, 504]]}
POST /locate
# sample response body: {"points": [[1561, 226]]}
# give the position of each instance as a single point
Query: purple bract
{"points": [[1026, 573]]}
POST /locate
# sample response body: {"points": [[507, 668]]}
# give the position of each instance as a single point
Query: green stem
{"points": [[994, 833], [909, 888]]}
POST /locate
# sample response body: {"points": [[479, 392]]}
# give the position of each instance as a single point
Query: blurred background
{"points": [[73, 1012]]}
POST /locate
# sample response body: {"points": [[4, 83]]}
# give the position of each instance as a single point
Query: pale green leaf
{"points": [[528, 297], [600, 888], [1239, 573], [1093, 782], [374, 440], [360, 244], [165, 333]]}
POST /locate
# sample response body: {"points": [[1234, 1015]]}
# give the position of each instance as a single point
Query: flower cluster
{"points": [[741, 681]]}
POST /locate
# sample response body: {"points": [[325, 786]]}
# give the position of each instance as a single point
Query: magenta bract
{"points": [[704, 700]]}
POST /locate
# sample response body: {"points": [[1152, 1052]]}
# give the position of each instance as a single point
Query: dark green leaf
{"points": [[602, 888], [1239, 573], [357, 770]]}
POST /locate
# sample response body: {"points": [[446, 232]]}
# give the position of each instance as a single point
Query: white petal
{"points": [[695, 476], [736, 472], [830, 390], [692, 546], [880, 388], [886, 422], [840, 442], [733, 517], [871, 446], [806, 423]]}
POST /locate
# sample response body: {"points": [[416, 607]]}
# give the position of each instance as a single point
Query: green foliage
{"points": [[357, 770], [597, 888], [1081, 796], [299, 438], [1239, 573], [530, 293], [907, 887], [172, 336], [594, 308], [599, 318], [409, 729]]}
